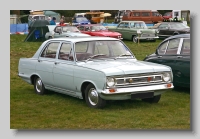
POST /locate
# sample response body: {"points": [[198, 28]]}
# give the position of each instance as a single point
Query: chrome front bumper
{"points": [[125, 93]]}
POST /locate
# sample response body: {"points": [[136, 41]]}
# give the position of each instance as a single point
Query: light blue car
{"points": [[63, 31], [96, 69]]}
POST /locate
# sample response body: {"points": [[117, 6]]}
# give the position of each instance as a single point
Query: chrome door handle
{"points": [[39, 60], [159, 56]]}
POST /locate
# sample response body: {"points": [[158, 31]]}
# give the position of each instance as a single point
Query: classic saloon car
{"points": [[96, 69], [132, 30], [175, 52], [167, 29], [98, 30], [64, 31]]}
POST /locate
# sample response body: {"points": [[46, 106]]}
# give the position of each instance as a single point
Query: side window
{"points": [[81, 47], [155, 14], [65, 52], [126, 24], [173, 47], [81, 28], [145, 14], [162, 48], [186, 47], [50, 50], [121, 25], [136, 14], [58, 29]]}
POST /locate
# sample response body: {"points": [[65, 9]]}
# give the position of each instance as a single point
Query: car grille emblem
{"points": [[130, 80]]}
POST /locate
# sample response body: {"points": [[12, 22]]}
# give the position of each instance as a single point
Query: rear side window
{"points": [[186, 47], [173, 47], [155, 14], [136, 14], [50, 50]]}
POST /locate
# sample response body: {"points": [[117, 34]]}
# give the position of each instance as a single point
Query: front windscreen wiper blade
{"points": [[94, 56]]}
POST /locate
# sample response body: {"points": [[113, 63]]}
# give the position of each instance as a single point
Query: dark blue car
{"points": [[80, 21]]}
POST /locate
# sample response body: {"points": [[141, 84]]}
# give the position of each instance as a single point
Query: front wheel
{"points": [[92, 97], [39, 86], [154, 99], [134, 39]]}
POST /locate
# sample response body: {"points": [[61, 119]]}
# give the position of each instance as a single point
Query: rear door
{"points": [[46, 61]]}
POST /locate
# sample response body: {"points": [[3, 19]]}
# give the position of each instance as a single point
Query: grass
{"points": [[57, 111]]}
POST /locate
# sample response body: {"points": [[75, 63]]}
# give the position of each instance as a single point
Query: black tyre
{"points": [[92, 97], [154, 99], [39, 86], [134, 39]]}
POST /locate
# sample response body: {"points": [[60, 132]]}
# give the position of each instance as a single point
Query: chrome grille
{"points": [[138, 80]]}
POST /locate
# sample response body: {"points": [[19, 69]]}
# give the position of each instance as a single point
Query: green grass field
{"points": [[57, 111]]}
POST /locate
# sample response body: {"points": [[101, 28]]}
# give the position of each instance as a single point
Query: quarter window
{"points": [[162, 48], [136, 14], [186, 47], [163, 26], [50, 50]]}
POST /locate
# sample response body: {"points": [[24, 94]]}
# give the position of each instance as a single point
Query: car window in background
{"points": [[121, 25], [178, 26], [172, 47], [186, 47], [50, 50], [163, 26]]}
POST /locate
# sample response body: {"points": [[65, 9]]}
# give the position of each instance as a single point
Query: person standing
{"points": [[53, 21], [49, 18], [62, 22]]}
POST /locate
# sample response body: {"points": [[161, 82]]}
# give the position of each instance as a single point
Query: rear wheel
{"points": [[154, 99], [92, 97], [39, 86]]}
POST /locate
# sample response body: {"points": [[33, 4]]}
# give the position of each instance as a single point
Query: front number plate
{"points": [[142, 95]]}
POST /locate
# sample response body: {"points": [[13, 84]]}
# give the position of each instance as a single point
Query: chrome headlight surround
{"points": [[110, 81], [166, 77]]}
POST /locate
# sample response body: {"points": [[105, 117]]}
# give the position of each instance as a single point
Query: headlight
{"points": [[110, 81], [166, 77]]}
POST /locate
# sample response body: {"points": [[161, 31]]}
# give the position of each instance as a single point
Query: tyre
{"points": [[134, 39], [154, 99], [39, 86], [92, 97]]}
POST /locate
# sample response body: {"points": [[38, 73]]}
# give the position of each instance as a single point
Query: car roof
{"points": [[170, 22], [178, 36], [82, 38]]}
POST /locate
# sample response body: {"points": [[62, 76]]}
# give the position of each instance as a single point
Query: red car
{"points": [[167, 15], [98, 30]]}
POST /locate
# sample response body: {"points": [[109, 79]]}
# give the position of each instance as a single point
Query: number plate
{"points": [[142, 95], [150, 38]]}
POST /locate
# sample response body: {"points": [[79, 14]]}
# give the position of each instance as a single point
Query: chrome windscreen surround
{"points": [[139, 80]]}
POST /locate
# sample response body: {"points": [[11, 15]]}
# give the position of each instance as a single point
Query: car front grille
{"points": [[138, 80], [148, 35]]}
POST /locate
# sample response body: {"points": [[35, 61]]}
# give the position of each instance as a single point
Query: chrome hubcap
{"points": [[93, 96], [39, 85]]}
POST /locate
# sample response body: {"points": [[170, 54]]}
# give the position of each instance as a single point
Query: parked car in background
{"points": [[129, 31], [96, 69], [148, 16], [98, 30], [167, 29], [167, 16], [64, 31], [80, 21], [175, 52]]}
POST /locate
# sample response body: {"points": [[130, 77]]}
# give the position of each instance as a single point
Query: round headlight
{"points": [[110, 81], [166, 77]]}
